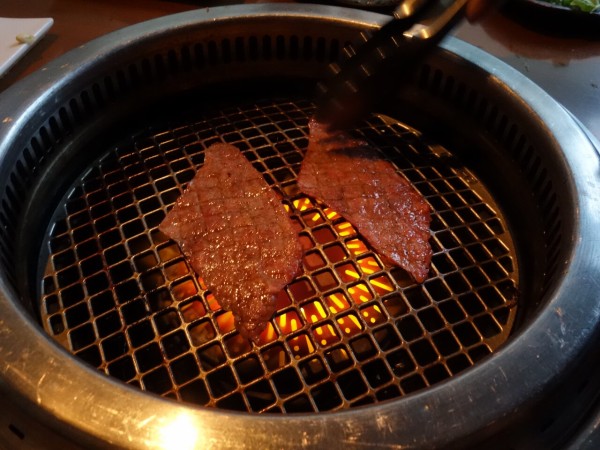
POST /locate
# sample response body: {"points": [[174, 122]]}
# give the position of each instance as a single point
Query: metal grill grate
{"points": [[348, 331]]}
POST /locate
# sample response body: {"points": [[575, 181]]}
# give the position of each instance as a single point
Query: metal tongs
{"points": [[366, 75]]}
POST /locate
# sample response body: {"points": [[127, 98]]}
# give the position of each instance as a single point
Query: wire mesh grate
{"points": [[348, 330]]}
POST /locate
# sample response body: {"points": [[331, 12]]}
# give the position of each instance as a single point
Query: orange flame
{"points": [[360, 293], [350, 324], [302, 204], [369, 265], [326, 335], [301, 346], [213, 304], [373, 315], [337, 302], [313, 312], [225, 322], [269, 334], [331, 214], [382, 285], [357, 246], [289, 322]]}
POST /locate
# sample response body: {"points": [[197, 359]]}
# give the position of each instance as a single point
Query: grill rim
{"points": [[53, 402]]}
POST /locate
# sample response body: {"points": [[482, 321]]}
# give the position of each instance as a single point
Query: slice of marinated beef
{"points": [[354, 180], [237, 236]]}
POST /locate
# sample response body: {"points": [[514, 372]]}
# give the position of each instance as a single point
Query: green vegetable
{"points": [[591, 6]]}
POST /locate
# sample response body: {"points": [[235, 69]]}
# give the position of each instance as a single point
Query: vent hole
{"points": [[239, 49], [98, 95], [13, 202], [64, 118], [321, 49], [226, 50], [294, 47], [159, 64], [16, 431], [29, 161], [45, 137], [280, 47], [307, 48], [15, 180], [173, 61], [267, 47], [134, 74], [87, 106], [253, 52], [54, 127], [213, 53]]}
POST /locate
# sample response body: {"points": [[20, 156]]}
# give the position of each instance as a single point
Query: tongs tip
{"points": [[382, 61]]}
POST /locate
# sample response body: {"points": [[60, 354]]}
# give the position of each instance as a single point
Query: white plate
{"points": [[12, 31]]}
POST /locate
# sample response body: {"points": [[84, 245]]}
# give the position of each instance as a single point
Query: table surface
{"points": [[564, 62]]}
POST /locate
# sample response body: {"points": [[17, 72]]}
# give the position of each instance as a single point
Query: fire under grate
{"points": [[348, 331]]}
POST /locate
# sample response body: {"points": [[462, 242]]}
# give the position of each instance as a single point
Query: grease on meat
{"points": [[352, 178], [237, 236]]}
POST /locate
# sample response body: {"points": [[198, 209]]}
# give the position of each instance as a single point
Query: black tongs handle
{"points": [[367, 74]]}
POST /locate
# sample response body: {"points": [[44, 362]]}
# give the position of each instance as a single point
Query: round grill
{"points": [[348, 331], [95, 149]]}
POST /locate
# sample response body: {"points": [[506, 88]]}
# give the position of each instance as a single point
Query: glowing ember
{"points": [[326, 335], [213, 304], [301, 346], [225, 322], [357, 247], [337, 302], [369, 265], [288, 322], [269, 334], [352, 273], [350, 324], [345, 229], [382, 285], [373, 315], [302, 204], [347, 272], [331, 214], [360, 293], [313, 312]]}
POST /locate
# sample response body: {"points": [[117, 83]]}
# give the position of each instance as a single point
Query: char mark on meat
{"points": [[354, 180], [237, 236]]}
